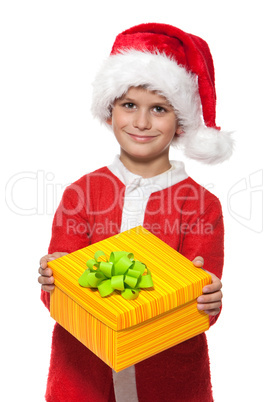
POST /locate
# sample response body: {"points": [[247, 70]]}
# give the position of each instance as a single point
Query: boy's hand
{"points": [[210, 301], [46, 277]]}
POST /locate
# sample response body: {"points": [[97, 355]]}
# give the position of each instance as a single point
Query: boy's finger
{"points": [[210, 297], [49, 257], [209, 306], [213, 287], [212, 312], [45, 271], [45, 280], [47, 288], [43, 261], [198, 261]]}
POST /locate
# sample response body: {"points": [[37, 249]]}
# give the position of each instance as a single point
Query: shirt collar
{"points": [[164, 180]]}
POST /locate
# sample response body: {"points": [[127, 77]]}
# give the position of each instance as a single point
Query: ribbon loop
{"points": [[106, 268], [139, 266], [130, 294], [117, 282], [91, 264], [98, 254], [146, 281], [94, 279], [134, 273], [105, 288], [83, 280], [130, 281], [122, 265]]}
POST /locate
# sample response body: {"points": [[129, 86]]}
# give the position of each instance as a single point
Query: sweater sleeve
{"points": [[206, 238], [71, 226]]}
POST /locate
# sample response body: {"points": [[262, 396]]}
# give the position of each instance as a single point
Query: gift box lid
{"points": [[176, 280]]}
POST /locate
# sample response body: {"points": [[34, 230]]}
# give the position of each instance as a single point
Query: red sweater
{"points": [[188, 218]]}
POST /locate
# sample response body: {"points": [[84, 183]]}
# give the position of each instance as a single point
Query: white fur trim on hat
{"points": [[158, 72]]}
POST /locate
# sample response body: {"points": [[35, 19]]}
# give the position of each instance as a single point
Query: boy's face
{"points": [[144, 124]]}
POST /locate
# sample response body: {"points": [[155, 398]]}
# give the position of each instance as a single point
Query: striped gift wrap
{"points": [[124, 332]]}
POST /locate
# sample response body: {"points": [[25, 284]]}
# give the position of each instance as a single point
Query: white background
{"points": [[50, 51]]}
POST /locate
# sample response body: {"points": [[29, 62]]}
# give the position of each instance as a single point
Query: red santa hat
{"points": [[178, 66]]}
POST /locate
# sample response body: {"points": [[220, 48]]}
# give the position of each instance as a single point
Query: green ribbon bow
{"points": [[121, 273]]}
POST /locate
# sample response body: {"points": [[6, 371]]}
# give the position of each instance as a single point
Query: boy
{"points": [[156, 88]]}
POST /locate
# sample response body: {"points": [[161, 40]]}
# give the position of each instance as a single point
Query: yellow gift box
{"points": [[124, 332]]}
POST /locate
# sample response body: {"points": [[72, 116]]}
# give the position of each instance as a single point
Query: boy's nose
{"points": [[142, 120]]}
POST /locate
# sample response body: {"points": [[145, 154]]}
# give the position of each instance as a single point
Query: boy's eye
{"points": [[159, 109], [129, 105]]}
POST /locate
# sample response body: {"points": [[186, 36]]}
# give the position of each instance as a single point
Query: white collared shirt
{"points": [[139, 189]]}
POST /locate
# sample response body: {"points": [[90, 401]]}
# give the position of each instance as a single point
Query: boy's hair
{"points": [[178, 66]]}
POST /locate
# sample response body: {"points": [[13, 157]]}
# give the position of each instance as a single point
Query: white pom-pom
{"points": [[207, 145]]}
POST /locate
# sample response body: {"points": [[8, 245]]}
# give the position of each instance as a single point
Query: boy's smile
{"points": [[144, 124], [141, 138]]}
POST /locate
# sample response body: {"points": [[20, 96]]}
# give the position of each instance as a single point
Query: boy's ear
{"points": [[178, 131], [109, 121]]}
